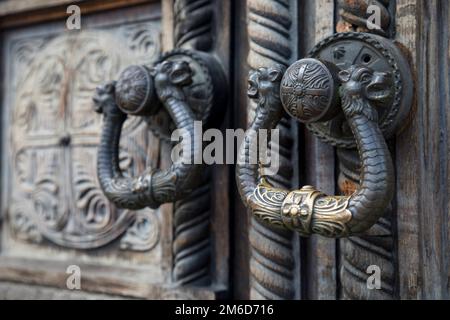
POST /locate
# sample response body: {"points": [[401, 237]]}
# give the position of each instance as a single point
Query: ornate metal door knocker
{"points": [[355, 89], [189, 85]]}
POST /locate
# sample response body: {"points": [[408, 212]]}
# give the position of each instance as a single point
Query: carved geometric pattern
{"points": [[193, 29], [54, 133]]}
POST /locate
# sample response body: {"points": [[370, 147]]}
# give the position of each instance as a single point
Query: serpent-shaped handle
{"points": [[139, 91], [311, 91]]}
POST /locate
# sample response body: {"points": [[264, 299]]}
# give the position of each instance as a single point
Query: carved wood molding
{"points": [[354, 16], [192, 243], [272, 262], [377, 246], [111, 280], [15, 13], [193, 24], [422, 27], [193, 29]]}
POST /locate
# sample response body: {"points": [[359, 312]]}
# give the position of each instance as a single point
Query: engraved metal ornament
{"points": [[375, 52], [308, 91], [135, 91]]}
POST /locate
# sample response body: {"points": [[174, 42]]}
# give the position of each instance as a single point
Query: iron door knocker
{"points": [[189, 85], [355, 89]]}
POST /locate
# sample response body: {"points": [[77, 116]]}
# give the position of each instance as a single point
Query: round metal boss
{"points": [[308, 91], [135, 91]]}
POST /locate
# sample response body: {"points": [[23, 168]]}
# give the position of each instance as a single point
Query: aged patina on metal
{"points": [[355, 89], [188, 84]]}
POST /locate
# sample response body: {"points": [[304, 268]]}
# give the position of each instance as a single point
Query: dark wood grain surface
{"points": [[422, 155]]}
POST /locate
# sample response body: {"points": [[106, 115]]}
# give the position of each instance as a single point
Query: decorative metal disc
{"points": [[308, 92], [135, 92], [380, 54]]}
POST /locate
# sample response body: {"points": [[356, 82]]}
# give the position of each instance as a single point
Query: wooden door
{"points": [[410, 243], [55, 220]]}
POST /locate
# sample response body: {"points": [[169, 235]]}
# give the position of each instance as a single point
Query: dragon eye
{"points": [[274, 75], [366, 77], [166, 66]]}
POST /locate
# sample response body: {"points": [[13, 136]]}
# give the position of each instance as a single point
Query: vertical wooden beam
{"points": [[408, 179], [422, 154], [200, 240], [167, 24], [240, 220], [222, 175], [272, 263]]}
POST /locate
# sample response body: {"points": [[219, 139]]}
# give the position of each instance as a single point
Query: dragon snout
{"points": [[104, 93], [380, 87], [252, 89]]}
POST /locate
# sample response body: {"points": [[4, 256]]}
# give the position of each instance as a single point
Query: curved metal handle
{"points": [[139, 91], [312, 91]]}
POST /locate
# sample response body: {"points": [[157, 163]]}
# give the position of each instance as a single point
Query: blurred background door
{"points": [[56, 225]]}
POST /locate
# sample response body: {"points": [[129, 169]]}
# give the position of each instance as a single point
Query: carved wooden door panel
{"points": [[52, 136], [54, 214]]}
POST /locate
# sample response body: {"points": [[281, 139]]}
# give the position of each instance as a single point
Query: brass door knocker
{"points": [[354, 89], [189, 85]]}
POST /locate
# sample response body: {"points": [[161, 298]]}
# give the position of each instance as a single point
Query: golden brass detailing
{"points": [[331, 215], [297, 209], [305, 211], [266, 203]]}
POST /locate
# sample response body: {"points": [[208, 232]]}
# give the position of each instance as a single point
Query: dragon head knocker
{"points": [[265, 82], [264, 86], [183, 85], [362, 89], [104, 100], [170, 76]]}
